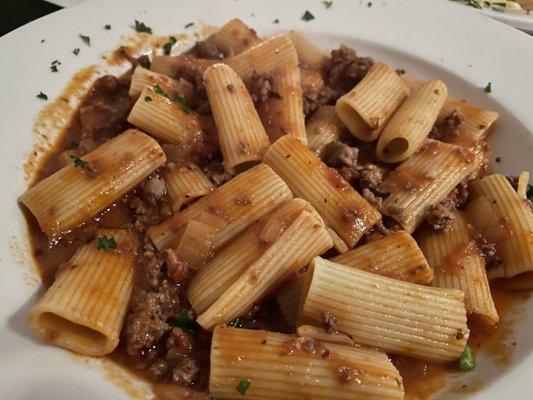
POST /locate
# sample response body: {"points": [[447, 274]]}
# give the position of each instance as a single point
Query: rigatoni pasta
{"points": [[513, 212], [389, 314], [294, 246], [409, 126], [234, 37], [84, 309], [341, 207], [237, 203], [242, 137], [310, 55], [323, 127], [276, 366], [79, 191], [367, 107], [458, 264], [396, 256], [424, 180], [185, 184], [160, 116], [142, 77]]}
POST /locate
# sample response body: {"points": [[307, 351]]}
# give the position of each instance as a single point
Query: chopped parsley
{"points": [[147, 98], [141, 27], [243, 386], [189, 25], [42, 96], [168, 45], [73, 145], [328, 4], [78, 162], [469, 3], [276, 21], [467, 362], [185, 321], [498, 159], [488, 88], [107, 27], [176, 99], [54, 65], [106, 242], [86, 39], [76, 51], [42, 40], [369, 4], [307, 16], [529, 192]]}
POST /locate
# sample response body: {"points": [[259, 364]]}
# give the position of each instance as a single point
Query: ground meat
{"points": [[369, 176], [330, 323], [153, 269], [186, 372], [192, 71], [154, 188], [374, 200], [337, 155], [177, 269], [344, 69], [261, 87], [105, 110], [447, 128], [178, 344], [458, 196], [440, 217], [207, 49], [382, 228], [513, 180], [312, 99], [146, 323], [216, 173], [488, 251]]}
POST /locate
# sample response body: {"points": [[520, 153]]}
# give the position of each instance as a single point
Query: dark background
{"points": [[16, 13]]}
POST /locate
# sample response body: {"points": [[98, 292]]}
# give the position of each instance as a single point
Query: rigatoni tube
{"points": [[242, 137], [287, 250], [396, 256], [395, 316], [458, 264], [516, 244], [234, 37], [236, 204], [409, 126], [283, 114], [264, 57], [78, 192], [210, 282], [84, 309], [368, 106], [142, 77], [185, 184], [323, 127], [277, 366], [156, 113], [424, 180], [341, 207], [308, 53]]}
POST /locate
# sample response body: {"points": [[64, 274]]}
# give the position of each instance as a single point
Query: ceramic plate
{"points": [[428, 38]]}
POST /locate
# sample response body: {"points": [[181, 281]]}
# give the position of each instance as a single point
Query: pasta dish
{"points": [[256, 218]]}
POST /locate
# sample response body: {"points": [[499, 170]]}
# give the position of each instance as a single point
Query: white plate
{"points": [[517, 19], [428, 38]]}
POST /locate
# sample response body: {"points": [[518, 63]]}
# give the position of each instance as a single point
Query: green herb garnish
{"points": [[243, 386], [185, 321], [328, 4], [307, 16], [141, 27], [73, 145], [107, 27], [168, 45], [276, 21], [86, 39], [467, 362], [76, 51], [177, 99], [42, 96], [469, 3], [529, 192], [54, 65], [78, 162], [499, 6], [369, 4], [147, 98], [42, 40], [488, 88], [189, 25], [106, 242], [498, 159]]}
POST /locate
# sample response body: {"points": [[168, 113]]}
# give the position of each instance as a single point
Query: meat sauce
{"points": [[160, 341]]}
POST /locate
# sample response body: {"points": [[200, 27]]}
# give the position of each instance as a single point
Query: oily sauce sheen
{"points": [[154, 344]]}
